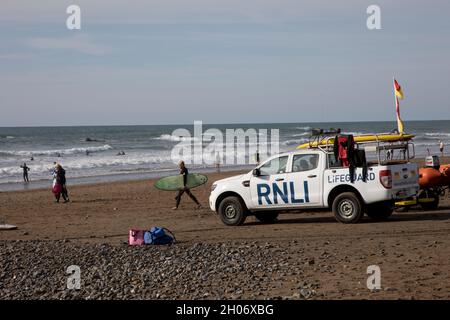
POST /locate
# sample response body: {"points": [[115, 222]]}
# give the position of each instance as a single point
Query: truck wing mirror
{"points": [[256, 172]]}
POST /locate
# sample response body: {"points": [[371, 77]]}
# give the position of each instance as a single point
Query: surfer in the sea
{"points": [[25, 169], [184, 172]]}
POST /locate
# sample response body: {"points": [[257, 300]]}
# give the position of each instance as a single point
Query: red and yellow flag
{"points": [[398, 90], [398, 95]]}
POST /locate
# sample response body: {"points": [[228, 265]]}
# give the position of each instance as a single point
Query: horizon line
{"points": [[208, 123]]}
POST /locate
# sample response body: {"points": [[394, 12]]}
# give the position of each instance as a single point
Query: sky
{"points": [[221, 61]]}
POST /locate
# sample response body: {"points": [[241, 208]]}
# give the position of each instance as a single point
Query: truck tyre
{"points": [[232, 211], [380, 211], [347, 208], [267, 217]]}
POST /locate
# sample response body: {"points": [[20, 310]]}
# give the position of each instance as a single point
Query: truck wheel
{"points": [[232, 211], [267, 217], [380, 211], [347, 208]]}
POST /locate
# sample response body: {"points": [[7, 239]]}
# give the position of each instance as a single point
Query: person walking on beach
{"points": [[56, 186], [62, 178], [59, 183], [184, 172], [441, 147], [25, 169]]}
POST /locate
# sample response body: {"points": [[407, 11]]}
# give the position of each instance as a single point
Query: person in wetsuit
{"points": [[62, 180], [184, 172], [25, 172]]}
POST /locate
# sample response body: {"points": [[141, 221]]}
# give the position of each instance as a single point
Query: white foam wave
{"points": [[294, 142], [437, 134], [300, 134], [304, 128], [69, 151], [355, 133], [43, 169], [169, 137]]}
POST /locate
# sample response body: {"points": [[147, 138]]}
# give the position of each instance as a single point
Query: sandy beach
{"points": [[302, 252]]}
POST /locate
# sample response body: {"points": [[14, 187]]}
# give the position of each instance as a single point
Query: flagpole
{"points": [[397, 108]]}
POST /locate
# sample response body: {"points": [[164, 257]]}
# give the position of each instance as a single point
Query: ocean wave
{"points": [[169, 137], [294, 142], [70, 151], [437, 134], [307, 128], [426, 144], [355, 133], [92, 166], [43, 169], [304, 134]]}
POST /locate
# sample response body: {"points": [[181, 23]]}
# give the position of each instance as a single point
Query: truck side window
{"points": [[305, 162], [274, 166], [333, 162]]}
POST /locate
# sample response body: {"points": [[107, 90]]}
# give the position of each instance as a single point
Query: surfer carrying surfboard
{"points": [[184, 172]]}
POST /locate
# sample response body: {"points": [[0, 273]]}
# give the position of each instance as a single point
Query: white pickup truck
{"points": [[307, 179]]}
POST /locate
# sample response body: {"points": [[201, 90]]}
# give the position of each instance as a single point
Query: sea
{"points": [[90, 154]]}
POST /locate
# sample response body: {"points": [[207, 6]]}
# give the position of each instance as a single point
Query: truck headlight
{"points": [[213, 187]]}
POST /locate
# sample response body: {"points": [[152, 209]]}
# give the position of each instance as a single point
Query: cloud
{"points": [[79, 43]]}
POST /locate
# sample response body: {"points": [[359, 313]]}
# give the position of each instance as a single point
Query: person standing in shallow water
{"points": [[25, 169], [184, 172]]}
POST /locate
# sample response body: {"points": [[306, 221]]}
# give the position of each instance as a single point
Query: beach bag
{"points": [[56, 188], [136, 237], [159, 235]]}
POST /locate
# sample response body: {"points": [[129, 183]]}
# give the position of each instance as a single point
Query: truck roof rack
{"points": [[323, 132], [319, 134], [376, 145]]}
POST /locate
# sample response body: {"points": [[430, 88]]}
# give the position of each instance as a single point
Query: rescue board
{"points": [[174, 183], [7, 227], [363, 138]]}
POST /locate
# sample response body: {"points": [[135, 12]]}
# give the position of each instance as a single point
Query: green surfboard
{"points": [[174, 183]]}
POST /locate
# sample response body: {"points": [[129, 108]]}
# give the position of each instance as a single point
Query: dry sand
{"points": [[330, 258]]}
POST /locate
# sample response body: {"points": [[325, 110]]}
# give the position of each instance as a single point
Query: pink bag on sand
{"points": [[136, 237]]}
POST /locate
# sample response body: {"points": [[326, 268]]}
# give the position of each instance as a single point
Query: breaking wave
{"points": [[72, 151], [294, 142], [169, 137], [437, 134]]}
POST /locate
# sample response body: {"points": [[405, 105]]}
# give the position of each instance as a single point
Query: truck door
{"points": [[305, 180], [269, 189]]}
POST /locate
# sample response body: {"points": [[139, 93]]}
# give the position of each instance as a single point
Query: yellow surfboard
{"points": [[363, 138]]}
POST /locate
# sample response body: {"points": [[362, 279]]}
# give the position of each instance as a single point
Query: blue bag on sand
{"points": [[158, 235]]}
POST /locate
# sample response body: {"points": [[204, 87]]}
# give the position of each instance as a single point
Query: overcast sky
{"points": [[221, 61]]}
